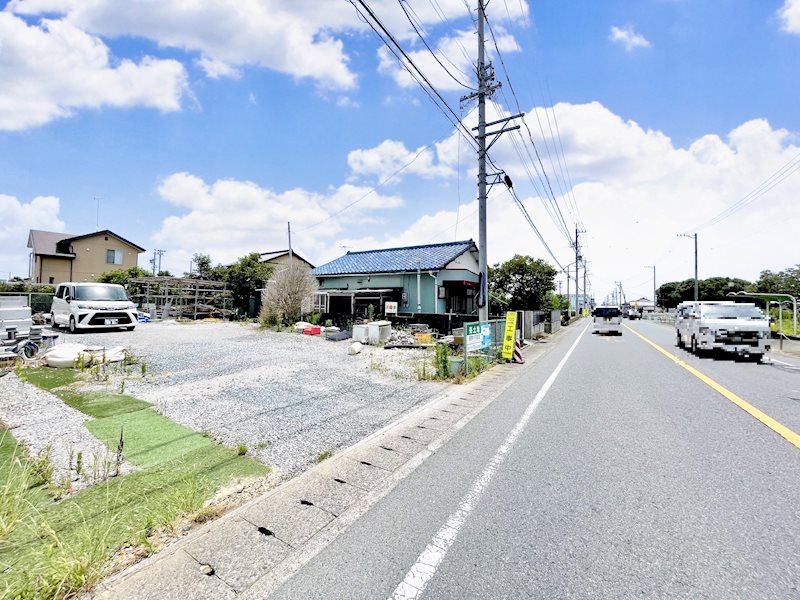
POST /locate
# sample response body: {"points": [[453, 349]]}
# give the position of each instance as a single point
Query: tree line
{"points": [[671, 294]]}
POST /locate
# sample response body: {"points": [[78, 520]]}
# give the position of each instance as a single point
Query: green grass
{"points": [[47, 378], [61, 547], [101, 404]]}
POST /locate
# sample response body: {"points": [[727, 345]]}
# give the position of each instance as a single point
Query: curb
{"points": [[440, 427]]}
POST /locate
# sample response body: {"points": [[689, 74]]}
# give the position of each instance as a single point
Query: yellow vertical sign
{"points": [[508, 336]]}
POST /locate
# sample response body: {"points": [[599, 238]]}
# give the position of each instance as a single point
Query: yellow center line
{"points": [[777, 427]]}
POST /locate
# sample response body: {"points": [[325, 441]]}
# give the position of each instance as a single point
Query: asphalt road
{"points": [[630, 478]]}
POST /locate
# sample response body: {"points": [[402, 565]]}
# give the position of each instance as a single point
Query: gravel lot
{"points": [[43, 423], [288, 396]]}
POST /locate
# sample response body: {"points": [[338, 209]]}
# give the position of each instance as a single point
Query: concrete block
{"points": [[290, 520], [405, 445], [381, 457], [421, 434], [326, 493], [355, 472], [238, 552], [436, 423], [176, 577]]}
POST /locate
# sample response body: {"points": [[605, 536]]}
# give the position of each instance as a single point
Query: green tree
{"points": [[786, 281], [244, 277], [524, 281], [122, 276], [556, 302], [714, 288]]}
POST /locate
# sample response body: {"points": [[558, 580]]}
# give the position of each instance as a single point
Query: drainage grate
{"points": [[363, 462], [387, 447], [337, 480], [264, 531], [306, 503]]}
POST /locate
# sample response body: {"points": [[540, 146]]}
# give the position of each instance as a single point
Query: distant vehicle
{"points": [[736, 327], [92, 306], [633, 314], [607, 319]]}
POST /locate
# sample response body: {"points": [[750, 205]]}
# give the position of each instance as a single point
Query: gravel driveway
{"points": [[288, 397]]}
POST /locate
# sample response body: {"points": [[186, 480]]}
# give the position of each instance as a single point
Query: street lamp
{"points": [[696, 287]]}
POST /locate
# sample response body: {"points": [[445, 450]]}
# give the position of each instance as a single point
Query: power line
{"points": [[373, 189], [770, 182], [425, 42], [407, 62]]}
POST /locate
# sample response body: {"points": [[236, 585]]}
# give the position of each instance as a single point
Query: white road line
{"points": [[780, 362], [417, 578]]}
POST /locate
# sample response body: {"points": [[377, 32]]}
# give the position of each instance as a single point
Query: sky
{"points": [[204, 127]]}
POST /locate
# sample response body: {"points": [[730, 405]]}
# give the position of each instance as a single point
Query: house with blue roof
{"points": [[428, 279]]}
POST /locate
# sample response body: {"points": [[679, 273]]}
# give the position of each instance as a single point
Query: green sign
{"points": [[472, 336]]}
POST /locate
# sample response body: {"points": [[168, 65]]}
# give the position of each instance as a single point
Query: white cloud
{"points": [[390, 156], [229, 218], [18, 218], [51, 69], [636, 191], [455, 68], [628, 38], [286, 36], [789, 15]]}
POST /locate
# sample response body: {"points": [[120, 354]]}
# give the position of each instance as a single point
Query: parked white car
{"points": [[736, 327], [607, 319], [92, 306]]}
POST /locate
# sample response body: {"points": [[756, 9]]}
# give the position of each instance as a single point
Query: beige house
{"points": [[59, 257], [279, 259]]}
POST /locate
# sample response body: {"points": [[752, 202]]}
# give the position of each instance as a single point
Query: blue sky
{"points": [[206, 129]]}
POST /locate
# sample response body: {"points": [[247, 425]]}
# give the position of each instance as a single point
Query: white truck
{"points": [[736, 327]]}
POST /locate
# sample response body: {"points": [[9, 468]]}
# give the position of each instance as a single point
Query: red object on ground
{"points": [[313, 330]]}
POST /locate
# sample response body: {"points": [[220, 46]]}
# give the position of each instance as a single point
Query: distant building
{"points": [[642, 304], [58, 257], [434, 278], [280, 259]]}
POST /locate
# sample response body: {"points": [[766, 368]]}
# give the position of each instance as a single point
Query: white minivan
{"points": [[607, 319], [92, 306]]}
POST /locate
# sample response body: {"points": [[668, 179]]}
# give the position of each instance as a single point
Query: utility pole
{"points": [[696, 282], [483, 311], [584, 283], [289, 229], [577, 264], [486, 88], [654, 285], [157, 254]]}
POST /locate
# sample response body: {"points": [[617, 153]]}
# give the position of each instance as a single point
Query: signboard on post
{"points": [[390, 308], [509, 335], [472, 336], [486, 336]]}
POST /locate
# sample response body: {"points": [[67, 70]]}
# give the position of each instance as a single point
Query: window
{"points": [[114, 257], [52, 280]]}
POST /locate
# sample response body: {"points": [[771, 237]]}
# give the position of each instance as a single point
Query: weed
{"points": [[459, 378], [205, 514], [119, 457], [14, 507], [328, 322], [241, 449], [42, 468], [122, 387], [262, 445], [440, 361], [324, 456], [371, 312], [143, 368], [79, 463], [314, 318]]}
